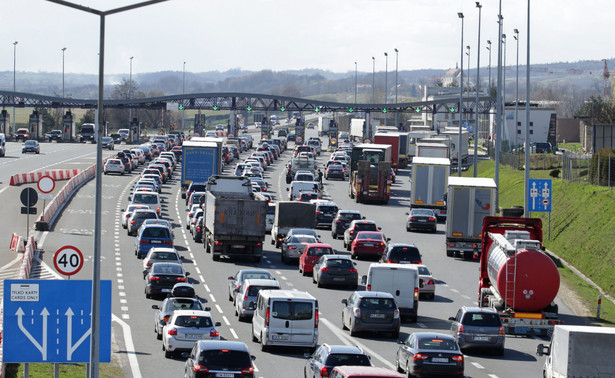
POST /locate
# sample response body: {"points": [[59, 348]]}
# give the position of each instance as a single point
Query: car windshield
{"points": [[164, 256], [436, 343], [423, 270], [149, 199], [193, 321], [144, 215], [481, 319], [167, 269], [377, 303], [30, 143], [348, 360], [319, 251], [183, 304], [225, 359]]}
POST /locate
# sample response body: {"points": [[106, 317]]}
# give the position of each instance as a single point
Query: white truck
{"points": [[357, 126], [456, 150], [437, 150], [415, 137], [468, 201], [429, 182], [323, 125], [579, 351]]}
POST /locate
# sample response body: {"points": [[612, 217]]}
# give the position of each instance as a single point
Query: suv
{"points": [[219, 358], [325, 212], [354, 228], [54, 135], [22, 134], [326, 357], [371, 311], [88, 132], [397, 253], [342, 220], [478, 327]]}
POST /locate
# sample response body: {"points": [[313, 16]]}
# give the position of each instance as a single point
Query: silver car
{"points": [[169, 305], [245, 301], [294, 245], [476, 327], [137, 218]]}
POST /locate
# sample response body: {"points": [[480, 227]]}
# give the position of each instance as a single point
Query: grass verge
{"points": [[106, 370]]}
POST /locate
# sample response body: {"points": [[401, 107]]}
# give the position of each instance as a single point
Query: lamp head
{"points": [[460, 14]]}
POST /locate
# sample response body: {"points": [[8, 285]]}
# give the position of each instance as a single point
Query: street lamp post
{"points": [[355, 82], [14, 82], [527, 118], [396, 69], [386, 82], [503, 93], [499, 110], [183, 92], [476, 123], [130, 91], [373, 80], [468, 54], [489, 48], [460, 100], [516, 36], [63, 50]]}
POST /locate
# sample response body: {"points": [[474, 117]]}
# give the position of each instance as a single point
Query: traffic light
{"points": [[417, 109], [249, 108], [317, 109], [215, 107], [180, 107]]}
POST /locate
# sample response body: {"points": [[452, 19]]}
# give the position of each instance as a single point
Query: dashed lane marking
{"points": [[219, 309], [237, 337], [477, 365]]}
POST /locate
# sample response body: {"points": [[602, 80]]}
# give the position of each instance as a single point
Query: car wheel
{"points": [[318, 284], [147, 295], [230, 297], [158, 336], [254, 339], [348, 246], [408, 228], [333, 235], [353, 332], [168, 354], [283, 257], [303, 272], [399, 369]]}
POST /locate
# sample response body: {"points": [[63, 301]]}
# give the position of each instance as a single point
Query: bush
{"points": [[554, 173]]}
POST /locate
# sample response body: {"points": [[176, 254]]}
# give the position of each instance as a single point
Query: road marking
{"points": [[207, 288], [237, 337], [290, 284], [213, 299], [284, 278], [350, 341], [219, 309], [120, 287], [455, 290], [226, 320], [198, 271], [466, 297], [201, 278], [124, 308], [421, 325], [492, 376], [125, 316], [278, 272], [477, 365], [130, 348]]}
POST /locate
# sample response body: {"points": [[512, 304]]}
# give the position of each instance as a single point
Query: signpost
{"points": [[540, 197], [49, 321], [46, 185], [29, 198], [68, 260]]}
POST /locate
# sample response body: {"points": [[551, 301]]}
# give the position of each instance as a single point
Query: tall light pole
{"points": [[396, 69], [527, 118], [516, 36], [355, 82], [460, 100], [130, 91], [183, 92], [468, 54], [477, 115], [503, 93], [498, 117], [63, 50], [373, 80], [14, 81], [386, 82], [489, 48]]}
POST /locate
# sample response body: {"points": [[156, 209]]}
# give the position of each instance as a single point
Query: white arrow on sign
{"points": [[41, 348], [69, 335]]}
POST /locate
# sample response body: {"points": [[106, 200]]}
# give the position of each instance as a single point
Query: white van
{"points": [[149, 199], [2, 144], [285, 318], [296, 187], [401, 281]]}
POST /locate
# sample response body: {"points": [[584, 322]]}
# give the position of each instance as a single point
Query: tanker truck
{"points": [[517, 278]]}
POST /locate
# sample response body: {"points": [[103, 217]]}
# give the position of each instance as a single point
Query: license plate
{"points": [[165, 290], [194, 336], [369, 244], [481, 338], [279, 337], [225, 375], [423, 220], [436, 359], [156, 242], [338, 278], [236, 246], [376, 316]]}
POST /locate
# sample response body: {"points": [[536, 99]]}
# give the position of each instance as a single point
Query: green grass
{"points": [[106, 370], [570, 146], [582, 226]]}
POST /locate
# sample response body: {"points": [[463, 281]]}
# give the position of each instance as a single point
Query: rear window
{"points": [[327, 209], [303, 239], [435, 343], [271, 210], [194, 321], [183, 304], [319, 251], [253, 290], [225, 359], [405, 254], [365, 227], [167, 269], [164, 256], [339, 263], [347, 360], [350, 216], [156, 232], [480, 319], [292, 310], [377, 303], [145, 215], [149, 199], [369, 236], [263, 276]]}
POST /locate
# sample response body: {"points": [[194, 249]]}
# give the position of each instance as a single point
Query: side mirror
{"points": [[388, 239], [287, 189], [230, 277], [236, 290], [362, 217], [379, 228], [155, 307], [363, 280], [451, 318], [407, 213], [144, 273], [307, 355], [122, 210], [130, 198], [207, 308], [345, 301], [400, 341], [187, 274], [252, 357], [218, 324], [542, 349]]}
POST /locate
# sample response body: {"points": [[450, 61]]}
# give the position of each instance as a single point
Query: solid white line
{"points": [[235, 336], [41, 240], [130, 348], [18, 258], [466, 297]]}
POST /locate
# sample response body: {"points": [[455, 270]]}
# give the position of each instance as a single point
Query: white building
{"points": [[542, 124]]}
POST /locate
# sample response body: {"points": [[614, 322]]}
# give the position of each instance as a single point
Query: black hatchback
{"points": [[402, 254], [162, 277], [342, 220]]}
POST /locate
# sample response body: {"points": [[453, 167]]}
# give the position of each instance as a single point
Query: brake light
{"points": [[267, 317], [324, 269], [167, 242], [501, 333], [132, 222], [430, 282], [392, 261], [338, 221], [292, 247], [396, 314], [419, 357], [416, 292], [357, 312], [217, 242], [316, 319], [412, 218], [460, 330], [214, 333], [369, 287], [154, 278], [181, 279], [352, 270], [238, 288], [166, 318], [318, 212], [382, 244], [324, 372], [201, 368], [457, 358], [432, 219], [351, 232], [149, 263], [249, 370], [172, 332]]}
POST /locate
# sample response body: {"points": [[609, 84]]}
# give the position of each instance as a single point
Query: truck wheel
{"points": [[215, 257], [256, 259], [449, 253]]}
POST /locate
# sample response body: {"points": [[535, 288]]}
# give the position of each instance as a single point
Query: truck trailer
{"points": [[291, 214], [437, 150], [517, 278], [391, 138], [468, 201], [370, 173], [234, 220], [200, 161], [429, 182]]}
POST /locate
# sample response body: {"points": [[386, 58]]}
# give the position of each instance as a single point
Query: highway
{"points": [[457, 280]]}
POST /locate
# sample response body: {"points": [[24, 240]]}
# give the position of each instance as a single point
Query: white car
{"points": [[114, 166], [193, 209], [429, 284], [139, 154], [128, 213], [160, 254], [184, 328]]}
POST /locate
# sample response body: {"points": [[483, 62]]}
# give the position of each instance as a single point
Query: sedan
{"points": [[429, 285], [335, 170], [311, 255], [137, 219], [128, 213], [31, 146], [108, 143], [326, 357], [428, 353], [169, 305], [294, 245], [237, 280], [160, 254], [114, 166], [421, 219], [162, 276], [368, 243], [335, 270], [184, 328]]}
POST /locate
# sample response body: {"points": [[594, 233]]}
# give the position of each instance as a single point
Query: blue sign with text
{"points": [[50, 321]]}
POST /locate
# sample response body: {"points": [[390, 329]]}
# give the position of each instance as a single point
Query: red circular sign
{"points": [[46, 184], [68, 260]]}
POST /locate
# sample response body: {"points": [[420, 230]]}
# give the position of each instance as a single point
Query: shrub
{"points": [[554, 173]]}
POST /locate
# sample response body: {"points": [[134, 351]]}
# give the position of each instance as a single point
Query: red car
{"points": [[368, 243], [310, 256]]}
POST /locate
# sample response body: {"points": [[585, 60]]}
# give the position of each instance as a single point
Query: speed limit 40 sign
{"points": [[68, 260]]}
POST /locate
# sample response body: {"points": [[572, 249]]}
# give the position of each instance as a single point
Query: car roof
{"points": [[163, 249], [362, 221], [393, 245], [374, 294], [222, 344], [316, 245], [336, 257], [261, 281], [427, 335], [346, 349], [366, 371], [349, 212], [478, 309], [192, 313]]}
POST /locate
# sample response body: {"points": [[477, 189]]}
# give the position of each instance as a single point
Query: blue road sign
{"points": [[540, 195], [49, 321]]}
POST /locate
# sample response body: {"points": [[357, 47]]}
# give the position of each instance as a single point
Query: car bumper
{"points": [[469, 341], [360, 325], [430, 368], [329, 279], [174, 345], [422, 226]]}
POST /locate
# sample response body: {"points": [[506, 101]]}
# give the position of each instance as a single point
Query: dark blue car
{"points": [[152, 235]]}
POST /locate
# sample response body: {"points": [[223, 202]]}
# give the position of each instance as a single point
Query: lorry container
{"points": [[437, 150], [357, 126], [200, 161], [370, 173], [516, 277], [323, 125], [579, 351], [469, 201], [413, 138], [429, 182], [291, 214], [234, 219], [404, 148], [391, 138], [457, 150]]}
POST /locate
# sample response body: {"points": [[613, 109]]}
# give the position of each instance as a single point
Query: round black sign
{"points": [[29, 197]]}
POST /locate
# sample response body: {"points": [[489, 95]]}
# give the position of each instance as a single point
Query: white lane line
{"points": [[192, 256], [219, 309], [477, 365], [198, 271], [278, 272], [273, 266], [207, 288], [353, 341], [237, 337], [492, 376], [125, 316], [421, 325], [201, 278], [284, 278], [290, 284], [466, 297], [455, 290], [130, 348], [226, 320], [213, 299]]}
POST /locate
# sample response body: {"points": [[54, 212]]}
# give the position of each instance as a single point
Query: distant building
{"points": [[543, 121], [568, 130]]}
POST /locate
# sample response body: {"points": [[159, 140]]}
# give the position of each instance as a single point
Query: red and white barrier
{"points": [[56, 174], [16, 243], [26, 263], [222, 133]]}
